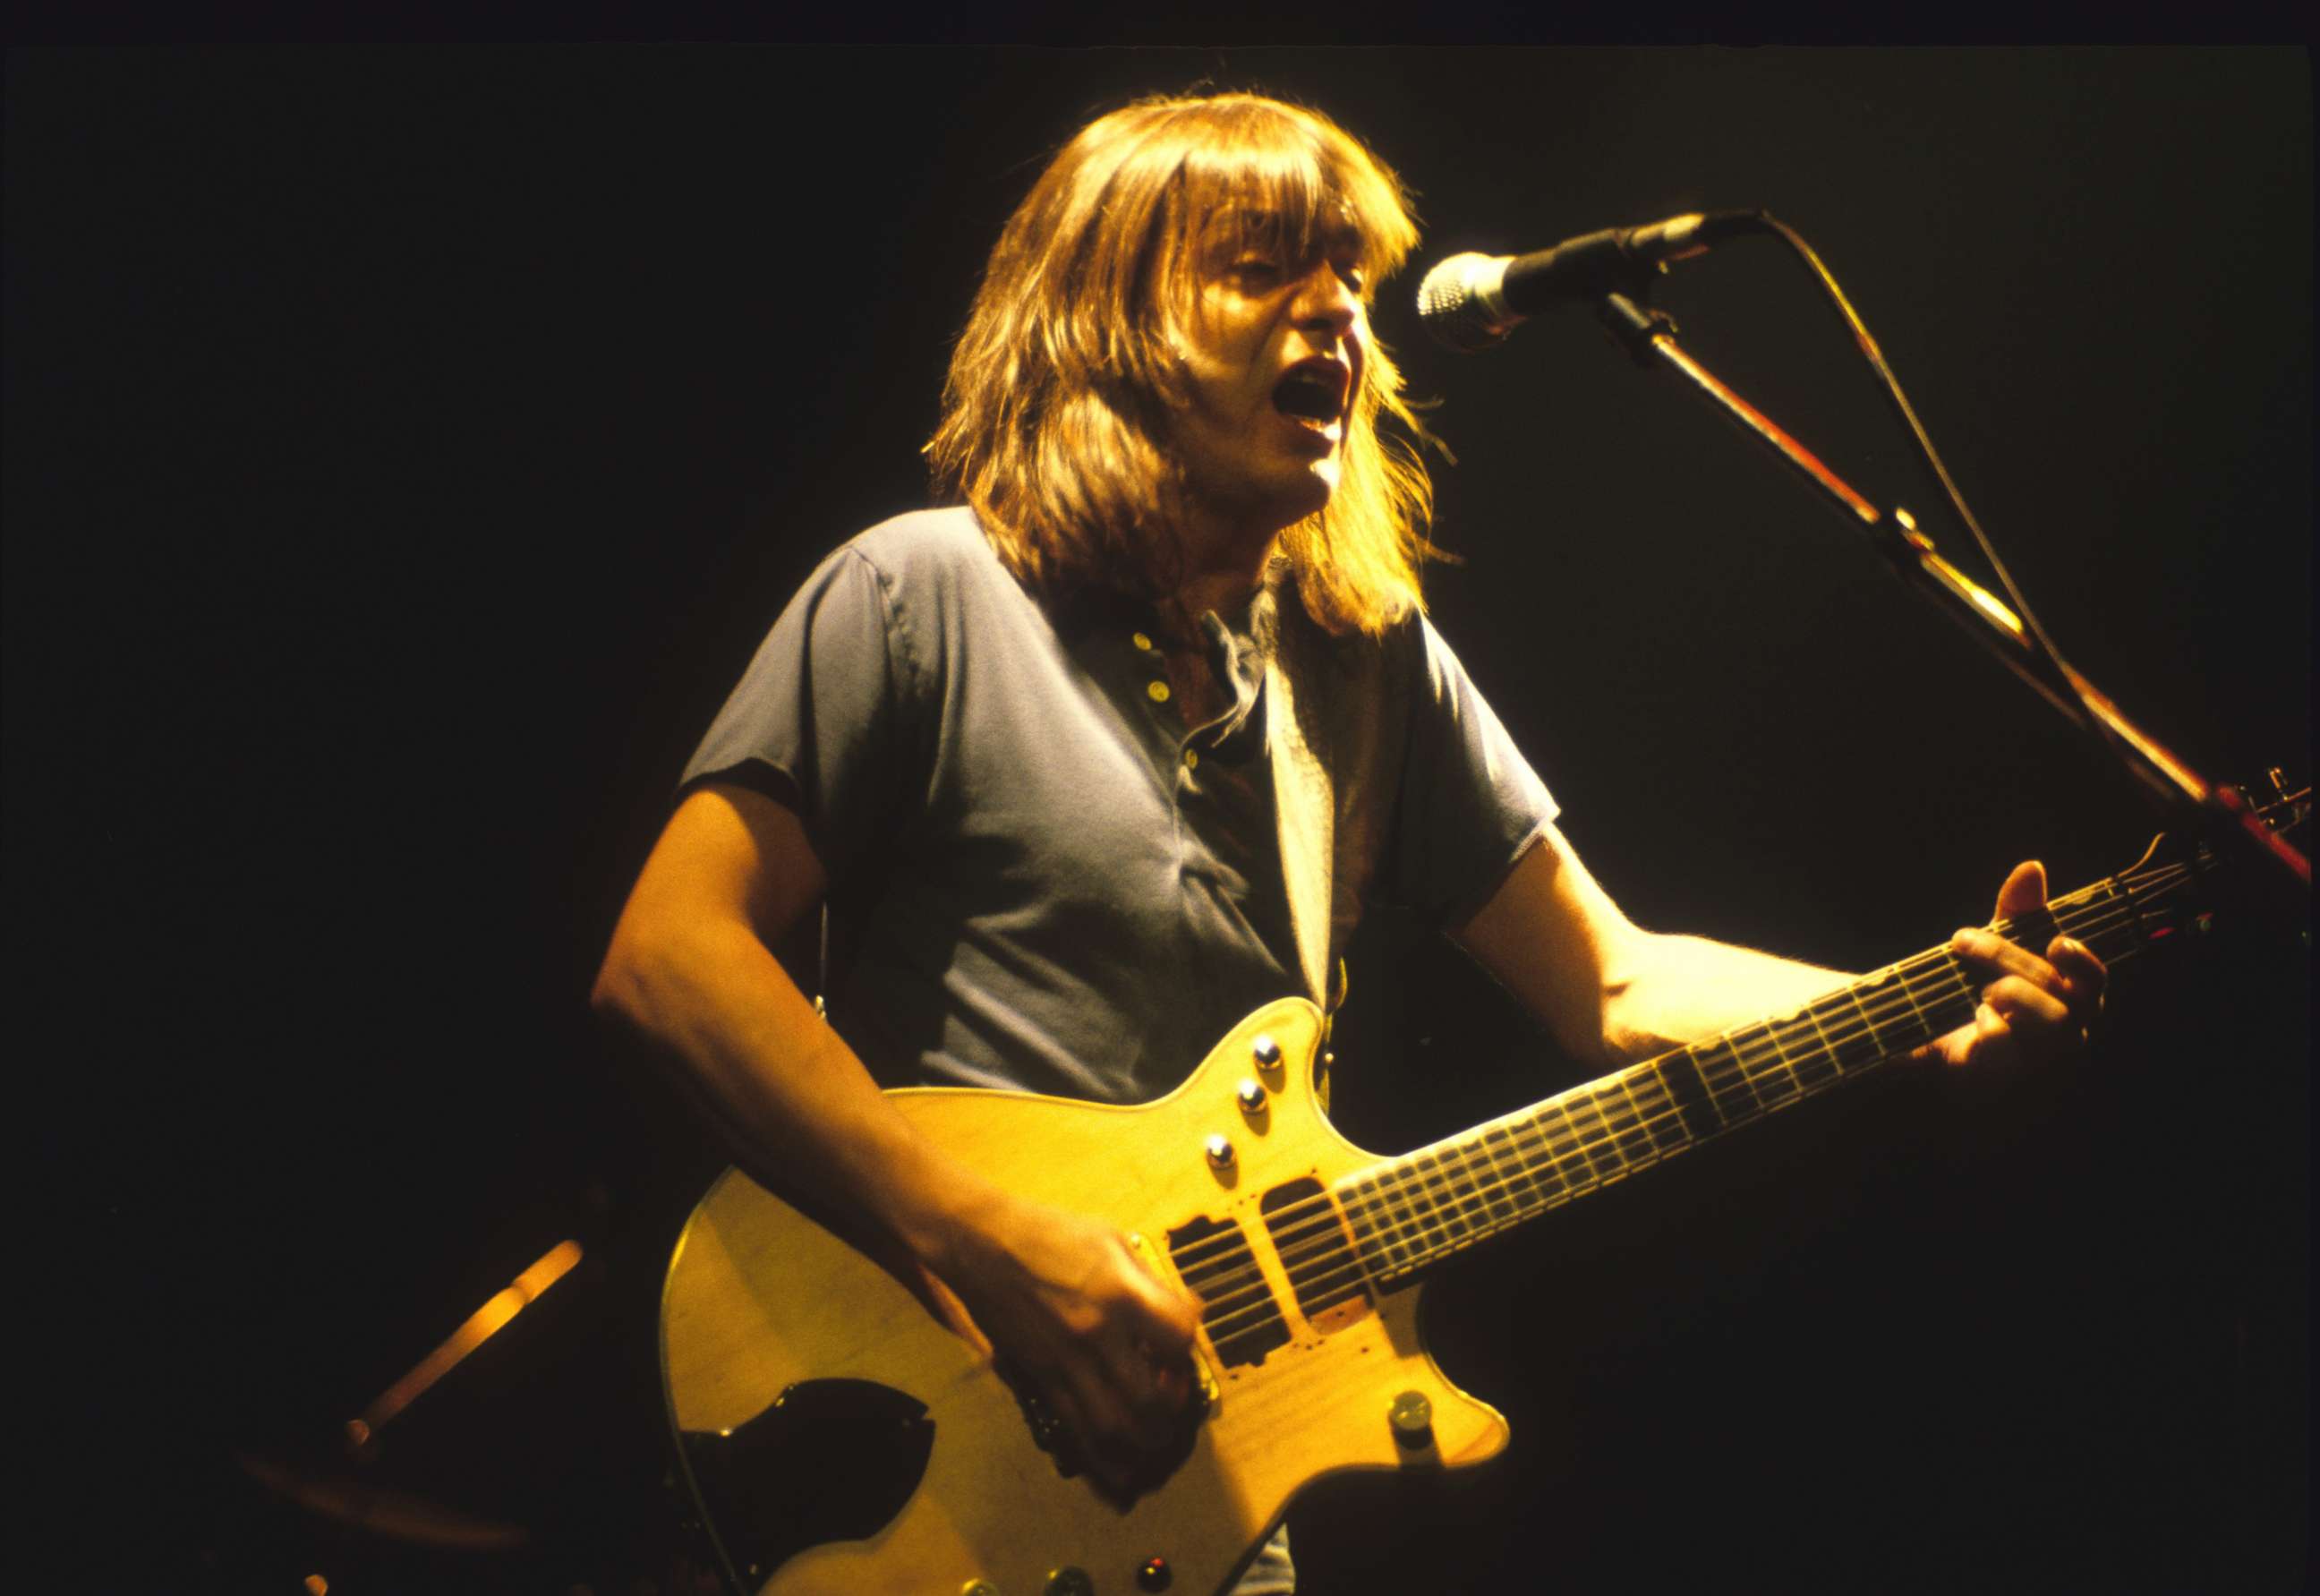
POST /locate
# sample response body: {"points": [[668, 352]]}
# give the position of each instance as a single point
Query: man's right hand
{"points": [[1070, 1310], [1061, 1301]]}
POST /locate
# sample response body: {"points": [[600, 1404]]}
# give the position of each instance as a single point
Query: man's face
{"points": [[1275, 348]]}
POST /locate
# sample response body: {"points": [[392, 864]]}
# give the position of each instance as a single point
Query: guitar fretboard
{"points": [[1410, 1211]]}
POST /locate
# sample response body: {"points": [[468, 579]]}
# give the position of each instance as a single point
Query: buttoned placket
{"points": [[1240, 680]]}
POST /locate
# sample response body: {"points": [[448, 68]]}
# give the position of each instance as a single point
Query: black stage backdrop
{"points": [[405, 450]]}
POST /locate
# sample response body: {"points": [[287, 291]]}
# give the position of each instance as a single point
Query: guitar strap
{"points": [[1328, 742]]}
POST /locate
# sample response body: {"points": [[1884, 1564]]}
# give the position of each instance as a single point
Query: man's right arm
{"points": [[691, 973]]}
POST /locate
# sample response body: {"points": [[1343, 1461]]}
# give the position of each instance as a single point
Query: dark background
{"points": [[404, 449]]}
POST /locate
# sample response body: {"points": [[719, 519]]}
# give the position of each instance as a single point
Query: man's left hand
{"points": [[2030, 1007]]}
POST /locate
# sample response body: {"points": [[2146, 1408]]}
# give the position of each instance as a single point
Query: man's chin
{"points": [[1321, 486]]}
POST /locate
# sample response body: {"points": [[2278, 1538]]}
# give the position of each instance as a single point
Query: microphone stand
{"points": [[2218, 814]]}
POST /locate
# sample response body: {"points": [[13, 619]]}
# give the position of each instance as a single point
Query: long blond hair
{"points": [[1056, 412]]}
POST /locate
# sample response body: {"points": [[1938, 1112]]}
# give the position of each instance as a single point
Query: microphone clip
{"points": [[1634, 322]]}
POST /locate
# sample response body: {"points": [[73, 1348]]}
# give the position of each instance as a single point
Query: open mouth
{"points": [[1313, 391]]}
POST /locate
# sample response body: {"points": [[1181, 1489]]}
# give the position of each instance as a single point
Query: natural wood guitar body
{"points": [[761, 1299], [784, 1347]]}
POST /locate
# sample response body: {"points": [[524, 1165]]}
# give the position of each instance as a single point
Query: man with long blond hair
{"points": [[1115, 746]]}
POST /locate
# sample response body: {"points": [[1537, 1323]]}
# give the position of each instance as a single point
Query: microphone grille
{"points": [[1459, 302]]}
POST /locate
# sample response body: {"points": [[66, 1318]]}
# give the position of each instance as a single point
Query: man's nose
{"points": [[1326, 299]]}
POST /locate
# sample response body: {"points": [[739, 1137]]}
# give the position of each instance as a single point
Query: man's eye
{"points": [[1258, 267]]}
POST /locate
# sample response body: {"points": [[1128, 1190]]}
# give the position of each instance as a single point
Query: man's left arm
{"points": [[1611, 992]]}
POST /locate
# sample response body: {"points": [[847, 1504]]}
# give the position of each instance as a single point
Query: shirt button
{"points": [[1143, 642], [1157, 692], [1192, 758]]}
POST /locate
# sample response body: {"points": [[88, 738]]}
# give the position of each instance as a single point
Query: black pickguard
{"points": [[829, 1460]]}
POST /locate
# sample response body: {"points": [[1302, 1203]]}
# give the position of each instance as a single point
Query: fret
{"points": [[1420, 1224], [1718, 1063], [1537, 1151], [1775, 1083], [1513, 1175], [1469, 1205], [1408, 1218], [1594, 1137], [1758, 1054], [1817, 1065], [1658, 1104], [1874, 984], [1493, 1204], [1956, 1006], [1406, 1212], [1680, 1073], [1374, 1223], [1849, 1046], [1626, 1120], [1570, 1160], [1438, 1220], [1483, 1204], [1908, 987]]}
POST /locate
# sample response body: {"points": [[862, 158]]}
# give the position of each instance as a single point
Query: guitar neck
{"points": [[1410, 1211]]}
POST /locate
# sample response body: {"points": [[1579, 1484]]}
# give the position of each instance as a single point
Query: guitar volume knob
{"points": [[1411, 1418], [1219, 1153]]}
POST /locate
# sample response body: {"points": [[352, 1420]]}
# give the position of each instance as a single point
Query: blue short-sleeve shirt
{"points": [[1041, 878]]}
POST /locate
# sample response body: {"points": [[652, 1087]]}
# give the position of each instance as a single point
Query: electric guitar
{"points": [[839, 1436]]}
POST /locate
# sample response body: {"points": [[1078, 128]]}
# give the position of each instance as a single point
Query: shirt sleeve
{"points": [[819, 720], [1469, 804]]}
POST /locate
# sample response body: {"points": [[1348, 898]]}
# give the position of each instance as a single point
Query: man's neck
{"points": [[1227, 569], [1225, 592]]}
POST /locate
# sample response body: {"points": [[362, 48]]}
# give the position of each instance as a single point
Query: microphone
{"points": [[1471, 302]]}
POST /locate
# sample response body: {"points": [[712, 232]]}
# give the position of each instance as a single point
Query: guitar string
{"points": [[1434, 1214], [1745, 1055], [1576, 1162], [1294, 1249], [1307, 1229], [1894, 990], [1316, 1234]]}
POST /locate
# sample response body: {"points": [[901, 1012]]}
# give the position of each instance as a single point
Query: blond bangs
{"points": [[1055, 411]]}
